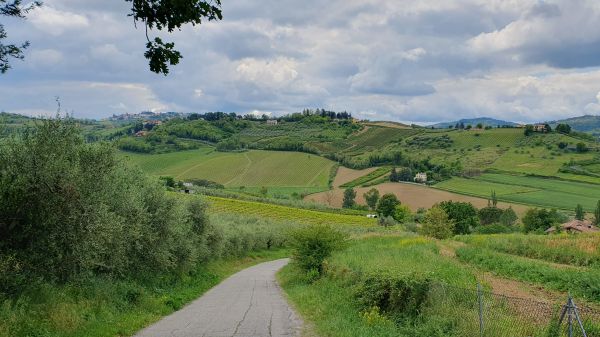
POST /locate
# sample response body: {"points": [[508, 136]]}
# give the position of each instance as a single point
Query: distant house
{"points": [[576, 226], [272, 122], [188, 185], [421, 177], [372, 216], [142, 133], [539, 127]]}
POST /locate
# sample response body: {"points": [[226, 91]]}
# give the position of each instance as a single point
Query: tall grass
{"points": [[581, 282], [398, 286], [578, 250]]}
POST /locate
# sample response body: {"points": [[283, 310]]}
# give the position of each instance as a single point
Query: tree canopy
{"points": [[153, 14]]}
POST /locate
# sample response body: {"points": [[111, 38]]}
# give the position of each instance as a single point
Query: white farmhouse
{"points": [[421, 177]]}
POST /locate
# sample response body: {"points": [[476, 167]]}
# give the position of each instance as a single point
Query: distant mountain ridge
{"points": [[586, 123], [486, 121]]}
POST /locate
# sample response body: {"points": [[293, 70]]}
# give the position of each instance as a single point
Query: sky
{"points": [[400, 60]]}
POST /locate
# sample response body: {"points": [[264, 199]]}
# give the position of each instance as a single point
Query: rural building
{"points": [[421, 177], [539, 128], [576, 226], [142, 133], [188, 185], [272, 122]]}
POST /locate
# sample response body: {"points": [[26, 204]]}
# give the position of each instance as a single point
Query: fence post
{"points": [[570, 315], [480, 300]]}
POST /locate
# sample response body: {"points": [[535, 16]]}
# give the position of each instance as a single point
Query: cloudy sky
{"points": [[403, 60]]}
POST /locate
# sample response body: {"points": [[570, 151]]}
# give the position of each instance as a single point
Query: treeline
{"points": [[437, 171]]}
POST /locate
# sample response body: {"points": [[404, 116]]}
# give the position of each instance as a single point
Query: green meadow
{"points": [[254, 168]]}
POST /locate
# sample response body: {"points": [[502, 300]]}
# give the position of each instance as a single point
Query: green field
{"points": [[233, 169], [538, 191]]}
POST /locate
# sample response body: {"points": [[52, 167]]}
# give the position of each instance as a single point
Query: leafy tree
{"points": [[490, 215], [463, 214], [405, 174], [402, 214], [168, 181], [529, 130], [469, 127], [597, 214], [161, 15], [479, 125], [547, 128], [579, 212], [494, 199], [563, 128], [313, 244], [394, 175], [349, 198], [581, 147], [437, 224], [387, 205], [264, 191], [508, 217], [371, 197], [562, 145], [537, 220], [15, 9]]}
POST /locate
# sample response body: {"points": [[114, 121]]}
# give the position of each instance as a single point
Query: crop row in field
{"points": [[286, 213], [537, 191]]}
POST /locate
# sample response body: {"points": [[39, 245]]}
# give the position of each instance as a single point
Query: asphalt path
{"points": [[247, 304]]}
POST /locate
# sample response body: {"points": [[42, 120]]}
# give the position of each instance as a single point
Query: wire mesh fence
{"points": [[475, 312]]}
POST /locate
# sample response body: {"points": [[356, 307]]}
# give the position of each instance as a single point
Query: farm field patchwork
{"points": [[543, 192], [414, 196], [251, 168]]}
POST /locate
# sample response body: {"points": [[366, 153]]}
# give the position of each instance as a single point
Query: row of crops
{"points": [[278, 212]]}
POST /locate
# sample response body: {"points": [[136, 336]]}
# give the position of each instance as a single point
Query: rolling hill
{"points": [[486, 121]]}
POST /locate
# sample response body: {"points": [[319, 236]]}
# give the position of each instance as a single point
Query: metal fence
{"points": [[479, 313]]}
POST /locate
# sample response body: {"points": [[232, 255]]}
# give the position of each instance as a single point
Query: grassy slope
{"points": [[331, 304], [252, 168]]}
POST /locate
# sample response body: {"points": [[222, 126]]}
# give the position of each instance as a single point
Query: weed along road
{"points": [[247, 304]]}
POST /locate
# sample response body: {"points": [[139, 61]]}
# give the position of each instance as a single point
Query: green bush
{"points": [[313, 244], [395, 295]]}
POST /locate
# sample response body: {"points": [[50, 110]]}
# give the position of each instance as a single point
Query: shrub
{"points": [[87, 212], [403, 214], [494, 229], [313, 244], [437, 224], [395, 295]]}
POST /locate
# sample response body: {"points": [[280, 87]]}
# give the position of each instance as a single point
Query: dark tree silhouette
{"points": [[161, 15], [16, 9]]}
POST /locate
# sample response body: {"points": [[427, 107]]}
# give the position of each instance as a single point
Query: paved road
{"points": [[247, 304]]}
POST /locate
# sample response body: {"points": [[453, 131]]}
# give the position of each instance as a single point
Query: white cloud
{"points": [[280, 71], [405, 60], [56, 22]]}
